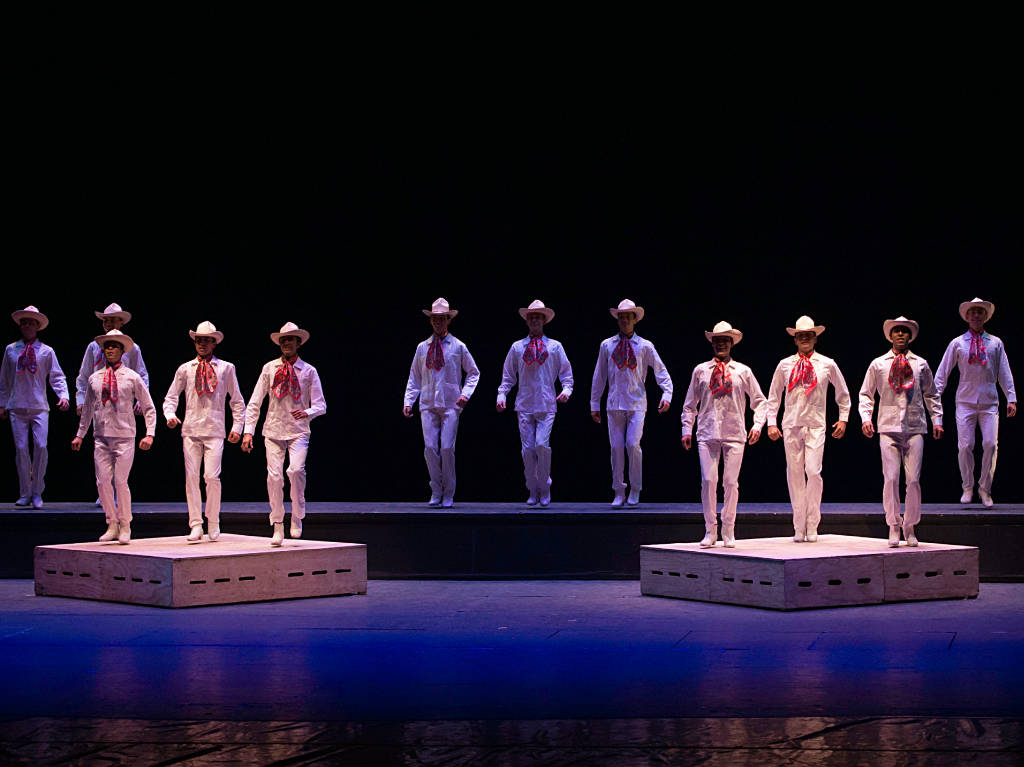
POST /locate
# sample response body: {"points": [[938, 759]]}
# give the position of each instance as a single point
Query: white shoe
{"points": [[812, 535], [968, 494], [447, 502], [531, 501], [37, 501], [544, 501], [728, 538], [799, 537], [634, 498], [709, 539], [111, 533], [617, 501], [986, 499], [894, 536], [908, 533], [22, 502], [99, 503], [296, 527], [195, 534], [213, 531], [124, 535], [435, 500], [278, 538]]}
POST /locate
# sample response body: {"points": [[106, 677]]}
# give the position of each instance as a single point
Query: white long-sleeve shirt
{"points": [[801, 409], [626, 389], [722, 417], [93, 361], [280, 423], [441, 388], [903, 412], [25, 390], [204, 413], [116, 419], [536, 382], [977, 382]]}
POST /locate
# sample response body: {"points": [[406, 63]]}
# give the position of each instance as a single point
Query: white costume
{"points": [[203, 430], [804, 429], [977, 400], [93, 361], [282, 433], [901, 426], [23, 377], [438, 392], [719, 410]]}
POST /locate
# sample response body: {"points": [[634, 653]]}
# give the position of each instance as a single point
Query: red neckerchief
{"points": [[110, 385], [977, 354], [624, 356], [27, 359], [435, 354], [803, 373], [286, 380], [206, 376], [535, 351], [901, 375], [721, 379]]}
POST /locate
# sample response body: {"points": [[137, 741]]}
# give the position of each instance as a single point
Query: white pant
{"points": [[805, 446], [709, 453], [625, 428], [202, 452], [296, 449], [113, 457], [31, 468], [440, 426], [908, 450], [967, 418], [535, 436]]}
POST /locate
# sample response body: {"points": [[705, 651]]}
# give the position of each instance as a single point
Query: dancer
{"points": [[534, 363], [435, 379], [108, 406], [112, 318], [293, 387], [797, 380], [981, 359], [904, 384], [28, 364], [717, 401], [207, 382], [622, 363]]}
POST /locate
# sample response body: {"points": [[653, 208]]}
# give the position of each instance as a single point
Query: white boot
{"points": [[968, 494], [617, 501], [894, 536], [812, 535], [986, 499], [709, 539], [278, 538], [195, 534], [296, 528], [634, 498], [799, 536], [124, 536], [111, 533], [729, 537], [908, 534], [213, 530]]}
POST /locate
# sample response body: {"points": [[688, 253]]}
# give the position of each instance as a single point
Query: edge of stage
{"points": [[489, 541]]}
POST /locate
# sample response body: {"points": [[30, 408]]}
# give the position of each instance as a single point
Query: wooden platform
{"points": [[836, 570], [168, 572]]}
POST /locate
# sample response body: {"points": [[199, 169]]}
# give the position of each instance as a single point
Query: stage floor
{"points": [[452, 652]]}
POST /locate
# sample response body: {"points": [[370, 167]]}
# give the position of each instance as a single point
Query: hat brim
{"points": [[549, 314], [125, 316], [817, 330], [215, 334], [988, 305], [303, 335], [637, 310], [37, 316], [430, 313], [888, 325], [125, 341], [734, 334]]}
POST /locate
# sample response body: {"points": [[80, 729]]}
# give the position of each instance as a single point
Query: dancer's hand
{"points": [[246, 443], [76, 444], [3, 412], [562, 398], [937, 432], [500, 407], [868, 429], [664, 405], [407, 411], [839, 429], [688, 441], [234, 437], [462, 401], [146, 443], [1011, 409], [774, 433], [173, 423], [63, 404], [595, 416], [754, 436], [298, 415]]}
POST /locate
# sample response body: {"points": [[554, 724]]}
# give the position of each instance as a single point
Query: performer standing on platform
{"points": [[207, 382], [435, 378], [108, 406], [802, 380], [982, 361], [535, 362], [28, 364], [622, 362], [904, 384], [296, 398], [112, 318], [715, 401]]}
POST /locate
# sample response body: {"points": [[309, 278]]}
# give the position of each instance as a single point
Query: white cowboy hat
{"points": [[987, 305], [116, 335], [625, 305], [537, 306], [207, 329], [804, 324], [723, 328], [33, 313], [114, 310], [440, 306], [888, 325], [290, 329]]}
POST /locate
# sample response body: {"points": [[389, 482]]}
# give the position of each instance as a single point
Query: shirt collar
{"points": [[298, 365]]}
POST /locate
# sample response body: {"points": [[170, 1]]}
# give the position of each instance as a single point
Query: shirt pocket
{"points": [[451, 392], [889, 418]]}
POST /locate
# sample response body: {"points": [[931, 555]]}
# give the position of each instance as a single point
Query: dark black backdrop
{"points": [[187, 198]]}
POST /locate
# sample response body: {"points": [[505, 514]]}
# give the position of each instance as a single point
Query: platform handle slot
{"points": [[246, 577], [902, 576], [692, 576], [747, 580], [136, 580], [84, 575], [51, 572], [65, 572], [221, 580], [675, 575], [835, 582], [728, 579], [196, 583], [349, 569], [804, 584], [155, 582], [959, 572], [863, 580], [931, 573], [653, 572], [120, 578], [766, 583], [319, 572], [296, 575]]}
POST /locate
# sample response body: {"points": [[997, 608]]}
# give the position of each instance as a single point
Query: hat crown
{"points": [[722, 327], [30, 308], [113, 308], [536, 304], [205, 328], [804, 322], [289, 327], [440, 306], [626, 305]]}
